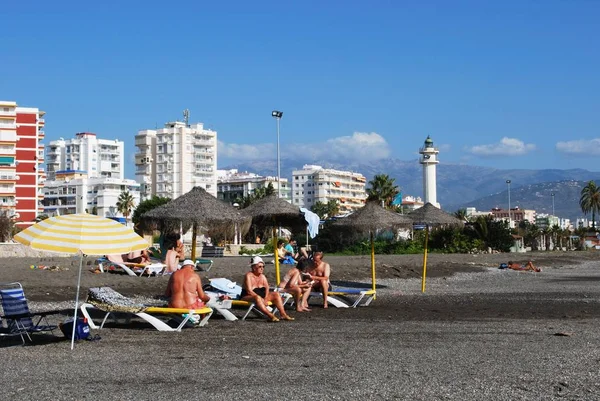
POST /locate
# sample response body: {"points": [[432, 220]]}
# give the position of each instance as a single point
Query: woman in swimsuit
{"points": [[256, 289], [298, 283]]}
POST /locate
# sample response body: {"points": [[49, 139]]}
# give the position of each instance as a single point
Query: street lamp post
{"points": [[552, 194], [509, 219], [277, 115]]}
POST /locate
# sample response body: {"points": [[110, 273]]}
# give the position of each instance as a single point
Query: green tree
{"points": [[325, 210], [144, 207], [125, 204], [461, 214], [590, 201], [382, 188]]}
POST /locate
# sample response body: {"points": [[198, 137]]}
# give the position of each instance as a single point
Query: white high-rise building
{"points": [[74, 192], [315, 184], [85, 152], [86, 174], [429, 161], [173, 160]]}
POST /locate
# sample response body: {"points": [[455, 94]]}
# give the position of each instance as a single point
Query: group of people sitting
{"points": [[289, 252], [184, 289]]}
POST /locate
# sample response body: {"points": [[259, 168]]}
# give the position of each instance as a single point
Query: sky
{"points": [[504, 84]]}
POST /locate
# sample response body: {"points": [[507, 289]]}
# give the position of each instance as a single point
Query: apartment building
{"points": [[21, 157], [172, 160], [73, 191], [314, 184], [98, 157], [233, 185], [86, 175]]}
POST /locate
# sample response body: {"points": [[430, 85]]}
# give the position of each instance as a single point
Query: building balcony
{"points": [[8, 136]]}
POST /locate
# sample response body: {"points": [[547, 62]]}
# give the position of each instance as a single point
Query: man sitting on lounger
{"points": [[185, 288], [256, 289], [527, 266], [319, 274]]}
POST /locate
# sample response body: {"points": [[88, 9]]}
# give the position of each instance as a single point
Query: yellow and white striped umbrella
{"points": [[85, 233]]}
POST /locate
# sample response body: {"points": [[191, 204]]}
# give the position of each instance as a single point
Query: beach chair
{"points": [[201, 264], [111, 302], [348, 297], [15, 312], [132, 269]]}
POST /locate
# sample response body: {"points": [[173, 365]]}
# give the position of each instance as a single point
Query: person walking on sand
{"points": [[256, 289], [297, 283], [319, 274], [184, 289]]}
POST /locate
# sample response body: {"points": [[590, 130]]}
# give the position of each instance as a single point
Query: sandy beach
{"points": [[476, 333]]}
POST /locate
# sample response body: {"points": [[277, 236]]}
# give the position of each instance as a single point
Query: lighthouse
{"points": [[429, 161]]}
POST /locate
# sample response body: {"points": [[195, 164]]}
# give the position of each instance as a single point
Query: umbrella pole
{"points": [[425, 260], [194, 237], [373, 282], [277, 279], [76, 302]]}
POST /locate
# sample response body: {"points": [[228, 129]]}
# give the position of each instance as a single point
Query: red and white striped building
{"points": [[22, 174]]}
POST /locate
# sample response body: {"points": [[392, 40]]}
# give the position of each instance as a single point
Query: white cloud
{"points": [[506, 147], [361, 146], [580, 146], [244, 152]]}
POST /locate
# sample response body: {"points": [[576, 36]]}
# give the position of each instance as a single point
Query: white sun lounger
{"points": [[109, 301]]}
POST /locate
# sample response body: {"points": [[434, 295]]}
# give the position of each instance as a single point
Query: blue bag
{"points": [[82, 328]]}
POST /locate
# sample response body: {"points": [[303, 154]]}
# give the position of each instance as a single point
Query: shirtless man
{"points": [[185, 288], [256, 289], [319, 274]]}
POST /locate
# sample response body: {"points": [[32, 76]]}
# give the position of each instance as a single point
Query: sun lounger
{"points": [[201, 263], [109, 301], [348, 297]]}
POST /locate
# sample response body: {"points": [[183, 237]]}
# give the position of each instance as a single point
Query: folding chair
{"points": [[17, 315]]}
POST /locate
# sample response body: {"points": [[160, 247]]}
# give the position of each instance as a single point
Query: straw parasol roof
{"points": [[272, 210], [372, 217], [431, 215], [196, 207]]}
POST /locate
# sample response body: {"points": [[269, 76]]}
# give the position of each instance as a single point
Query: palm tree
{"points": [[125, 204], [590, 200], [383, 189], [461, 214]]}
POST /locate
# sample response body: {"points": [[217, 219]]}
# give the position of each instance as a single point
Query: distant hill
{"points": [[460, 185]]}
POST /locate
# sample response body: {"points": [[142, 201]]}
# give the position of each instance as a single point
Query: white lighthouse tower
{"points": [[429, 161]]}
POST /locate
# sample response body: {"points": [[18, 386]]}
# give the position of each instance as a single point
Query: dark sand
{"points": [[478, 333]]}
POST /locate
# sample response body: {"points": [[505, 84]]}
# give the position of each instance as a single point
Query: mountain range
{"points": [[461, 185]]}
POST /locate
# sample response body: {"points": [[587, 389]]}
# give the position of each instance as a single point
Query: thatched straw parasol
{"points": [[370, 218], [429, 215], [273, 211], [197, 208]]}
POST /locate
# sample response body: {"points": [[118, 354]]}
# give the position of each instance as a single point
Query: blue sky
{"points": [[511, 84]]}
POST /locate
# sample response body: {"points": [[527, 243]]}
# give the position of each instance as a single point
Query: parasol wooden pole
{"points": [[373, 281], [194, 234], [277, 278], [425, 260]]}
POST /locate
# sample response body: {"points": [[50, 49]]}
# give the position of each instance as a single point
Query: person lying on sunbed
{"points": [[185, 288], [139, 257], [298, 283], [319, 274], [256, 289], [527, 266]]}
